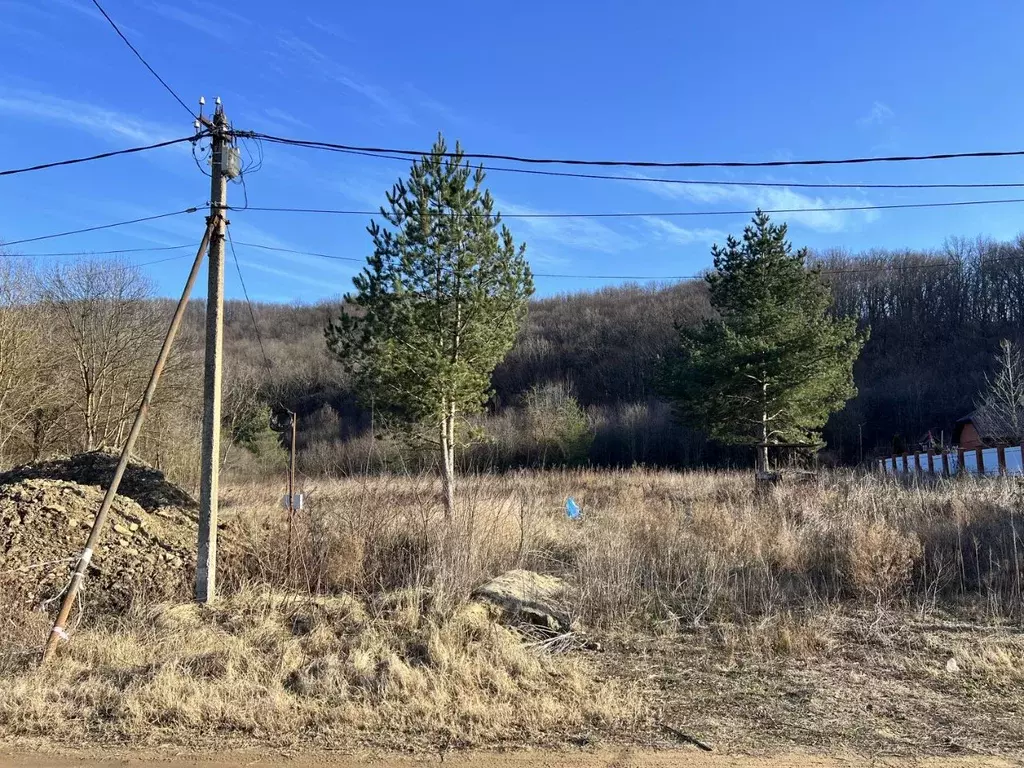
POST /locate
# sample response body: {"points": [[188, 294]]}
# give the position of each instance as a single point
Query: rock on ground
{"points": [[527, 597]]}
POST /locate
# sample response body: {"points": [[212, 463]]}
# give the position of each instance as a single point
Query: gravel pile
{"points": [[147, 551], [143, 484]]}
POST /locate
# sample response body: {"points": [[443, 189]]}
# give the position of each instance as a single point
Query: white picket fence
{"points": [[987, 461]]}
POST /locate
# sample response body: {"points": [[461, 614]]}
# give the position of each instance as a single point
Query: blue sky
{"points": [[638, 80]]}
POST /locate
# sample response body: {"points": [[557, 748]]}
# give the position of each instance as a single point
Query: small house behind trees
{"points": [[990, 439], [976, 431]]}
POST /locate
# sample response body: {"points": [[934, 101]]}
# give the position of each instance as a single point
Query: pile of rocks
{"points": [[147, 551], [143, 484]]}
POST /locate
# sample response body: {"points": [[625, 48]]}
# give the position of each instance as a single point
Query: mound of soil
{"points": [[143, 553], [143, 484]]}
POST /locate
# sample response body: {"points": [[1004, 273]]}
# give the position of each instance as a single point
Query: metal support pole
{"points": [[209, 480], [97, 527], [291, 489]]}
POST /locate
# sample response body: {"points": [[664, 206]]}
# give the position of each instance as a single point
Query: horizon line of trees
{"points": [[578, 386]]}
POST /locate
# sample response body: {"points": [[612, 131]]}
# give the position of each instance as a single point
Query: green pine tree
{"points": [[438, 305], [774, 364]]}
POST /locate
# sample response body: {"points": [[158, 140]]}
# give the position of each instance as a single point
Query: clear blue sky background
{"points": [[638, 80]]}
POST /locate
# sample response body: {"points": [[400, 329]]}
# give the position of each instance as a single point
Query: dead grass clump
{"points": [[880, 560], [690, 547], [784, 635], [992, 663], [279, 667]]}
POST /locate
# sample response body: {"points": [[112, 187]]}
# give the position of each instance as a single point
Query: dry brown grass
{"points": [[363, 634], [691, 547], [331, 670]]}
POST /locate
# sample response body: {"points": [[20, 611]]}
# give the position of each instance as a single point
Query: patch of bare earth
{"points": [[854, 684], [627, 757]]}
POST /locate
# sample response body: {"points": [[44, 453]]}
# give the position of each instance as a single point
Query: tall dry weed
{"points": [[651, 545]]}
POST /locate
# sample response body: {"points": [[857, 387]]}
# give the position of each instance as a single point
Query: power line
{"points": [[117, 251], [630, 163], [245, 292], [161, 261], [98, 227], [101, 156], [838, 271], [712, 182], [144, 62], [301, 253], [666, 214]]}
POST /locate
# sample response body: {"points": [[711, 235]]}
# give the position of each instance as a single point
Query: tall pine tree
{"points": [[438, 305], [774, 364]]}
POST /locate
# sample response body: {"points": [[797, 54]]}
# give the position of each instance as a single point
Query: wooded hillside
{"points": [[936, 321]]}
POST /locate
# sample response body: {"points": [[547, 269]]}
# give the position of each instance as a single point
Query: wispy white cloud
{"points": [[880, 113], [324, 66], [369, 193], [20, 35], [84, 8], [663, 229], [446, 113], [96, 120], [329, 29], [585, 234], [807, 209], [208, 19], [288, 274], [194, 21], [284, 118], [314, 269], [55, 9]]}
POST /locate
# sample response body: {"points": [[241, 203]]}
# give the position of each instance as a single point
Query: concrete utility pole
{"points": [[209, 482]]}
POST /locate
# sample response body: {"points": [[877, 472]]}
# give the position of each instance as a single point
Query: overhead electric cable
{"points": [[713, 182], [632, 163], [144, 62], [839, 271], [116, 251], [301, 253], [161, 261], [664, 214], [101, 156], [96, 228], [245, 292]]}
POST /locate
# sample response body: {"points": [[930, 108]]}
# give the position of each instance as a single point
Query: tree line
{"points": [[570, 379], [936, 318], [77, 344]]}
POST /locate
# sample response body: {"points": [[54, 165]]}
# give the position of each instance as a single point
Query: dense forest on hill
{"points": [[579, 386], [936, 319]]}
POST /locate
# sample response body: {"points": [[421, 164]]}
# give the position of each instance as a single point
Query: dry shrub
{"points": [[787, 635], [691, 547], [330, 669], [880, 560]]}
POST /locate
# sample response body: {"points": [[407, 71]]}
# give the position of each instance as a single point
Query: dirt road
{"points": [[621, 758]]}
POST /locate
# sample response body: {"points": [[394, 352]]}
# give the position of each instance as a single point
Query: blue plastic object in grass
{"points": [[572, 509]]}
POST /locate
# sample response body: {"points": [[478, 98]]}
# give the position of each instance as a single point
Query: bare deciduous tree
{"points": [[109, 329], [29, 380], [1000, 412]]}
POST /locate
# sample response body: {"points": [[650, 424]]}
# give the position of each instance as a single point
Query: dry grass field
{"points": [[843, 614]]}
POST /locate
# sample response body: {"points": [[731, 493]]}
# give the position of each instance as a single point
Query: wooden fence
{"points": [[1004, 460]]}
